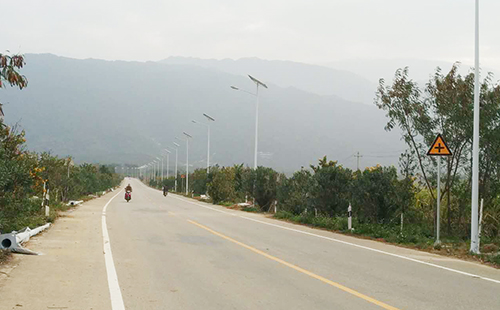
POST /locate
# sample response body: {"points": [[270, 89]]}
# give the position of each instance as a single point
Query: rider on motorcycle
{"points": [[128, 188]]}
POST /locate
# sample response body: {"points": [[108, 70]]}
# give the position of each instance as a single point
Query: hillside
{"points": [[114, 111], [311, 78]]}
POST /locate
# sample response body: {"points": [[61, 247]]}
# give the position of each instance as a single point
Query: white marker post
{"points": [[438, 148], [480, 224], [47, 208], [349, 218]]}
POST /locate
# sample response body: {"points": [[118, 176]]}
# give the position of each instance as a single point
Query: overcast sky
{"points": [[313, 31]]}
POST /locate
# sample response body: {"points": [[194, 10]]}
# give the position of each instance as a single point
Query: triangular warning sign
{"points": [[439, 147]]}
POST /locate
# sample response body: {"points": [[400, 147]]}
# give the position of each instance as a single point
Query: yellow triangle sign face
{"points": [[439, 147]]}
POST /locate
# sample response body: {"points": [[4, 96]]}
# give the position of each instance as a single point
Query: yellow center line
{"points": [[299, 269]]}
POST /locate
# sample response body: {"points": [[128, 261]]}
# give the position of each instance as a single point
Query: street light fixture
{"points": [[210, 119], [257, 83]]}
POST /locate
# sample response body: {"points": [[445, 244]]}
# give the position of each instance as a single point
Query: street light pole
{"points": [[155, 164], [187, 161], [176, 151], [158, 170], [258, 83], [209, 118], [168, 159], [474, 242], [158, 167], [256, 127]]}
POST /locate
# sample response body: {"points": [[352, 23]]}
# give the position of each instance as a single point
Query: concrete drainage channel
{"points": [[14, 240]]}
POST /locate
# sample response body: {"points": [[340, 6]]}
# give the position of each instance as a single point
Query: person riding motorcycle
{"points": [[128, 188], [128, 191]]}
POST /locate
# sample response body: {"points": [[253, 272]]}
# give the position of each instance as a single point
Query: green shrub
{"points": [[221, 184]]}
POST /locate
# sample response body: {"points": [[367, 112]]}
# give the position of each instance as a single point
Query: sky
{"points": [[312, 31]]}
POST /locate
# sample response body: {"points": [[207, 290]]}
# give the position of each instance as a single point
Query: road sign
{"points": [[439, 147], [183, 176]]}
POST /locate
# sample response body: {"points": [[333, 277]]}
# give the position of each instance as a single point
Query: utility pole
{"points": [[357, 156]]}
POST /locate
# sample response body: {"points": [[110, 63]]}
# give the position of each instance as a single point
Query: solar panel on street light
{"points": [[209, 117], [257, 81]]}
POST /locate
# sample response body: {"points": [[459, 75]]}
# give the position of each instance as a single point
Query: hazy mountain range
{"points": [[126, 112], [311, 78], [421, 70]]}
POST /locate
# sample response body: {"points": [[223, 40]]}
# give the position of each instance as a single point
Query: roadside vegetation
{"points": [[396, 205], [23, 173]]}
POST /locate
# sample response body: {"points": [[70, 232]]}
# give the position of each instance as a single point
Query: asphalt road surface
{"points": [[176, 253]]}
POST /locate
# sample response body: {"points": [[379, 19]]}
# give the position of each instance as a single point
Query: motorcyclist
{"points": [[128, 188]]}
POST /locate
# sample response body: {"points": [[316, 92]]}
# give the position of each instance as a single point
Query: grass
{"points": [[493, 259], [4, 256], [413, 236], [250, 209], [29, 213]]}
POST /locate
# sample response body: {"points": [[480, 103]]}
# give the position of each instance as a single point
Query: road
{"points": [[175, 253]]}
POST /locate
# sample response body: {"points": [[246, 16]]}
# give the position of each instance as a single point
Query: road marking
{"points": [[114, 287], [348, 243], [297, 268], [206, 207]]}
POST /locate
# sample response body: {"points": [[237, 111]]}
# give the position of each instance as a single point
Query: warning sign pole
{"points": [[438, 148], [438, 215]]}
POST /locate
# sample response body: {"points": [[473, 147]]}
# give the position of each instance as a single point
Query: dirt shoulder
{"points": [[70, 273]]}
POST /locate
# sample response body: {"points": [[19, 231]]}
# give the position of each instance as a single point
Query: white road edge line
{"points": [[114, 287], [347, 243]]}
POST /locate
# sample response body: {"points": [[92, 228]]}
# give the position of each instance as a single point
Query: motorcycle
{"points": [[128, 196]]}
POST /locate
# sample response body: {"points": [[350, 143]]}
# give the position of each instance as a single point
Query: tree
{"points": [[199, 181], [266, 181], [330, 187], [9, 74], [405, 109], [446, 107], [375, 194], [293, 193], [221, 184]]}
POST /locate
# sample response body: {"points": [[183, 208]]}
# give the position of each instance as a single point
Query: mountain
{"points": [[115, 111], [311, 78], [374, 69]]}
